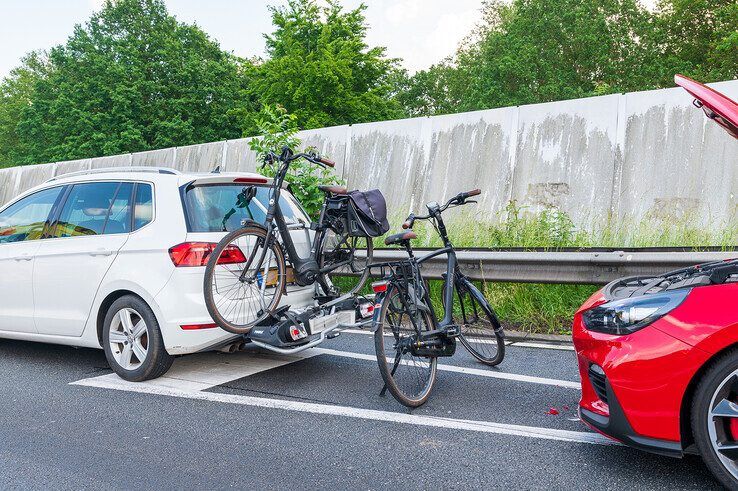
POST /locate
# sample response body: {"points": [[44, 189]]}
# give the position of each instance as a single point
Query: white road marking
{"points": [[523, 344], [468, 371], [528, 344], [204, 370], [351, 412]]}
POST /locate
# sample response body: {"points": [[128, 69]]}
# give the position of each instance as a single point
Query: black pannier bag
{"points": [[367, 214]]}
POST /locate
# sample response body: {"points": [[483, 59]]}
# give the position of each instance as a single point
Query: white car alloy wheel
{"points": [[129, 339]]}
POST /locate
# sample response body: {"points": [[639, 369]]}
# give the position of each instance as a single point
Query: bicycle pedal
{"points": [[333, 335], [452, 331]]}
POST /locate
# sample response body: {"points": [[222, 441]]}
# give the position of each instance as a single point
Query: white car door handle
{"points": [[23, 257], [101, 252]]}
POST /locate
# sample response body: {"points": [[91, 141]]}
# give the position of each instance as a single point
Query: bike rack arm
{"points": [[312, 344]]}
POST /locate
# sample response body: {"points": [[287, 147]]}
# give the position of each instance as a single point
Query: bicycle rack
{"points": [[322, 336], [314, 340]]}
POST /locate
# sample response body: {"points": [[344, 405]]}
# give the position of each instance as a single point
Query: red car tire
{"points": [[715, 418]]}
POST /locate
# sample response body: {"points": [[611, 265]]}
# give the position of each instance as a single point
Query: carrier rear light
{"points": [[380, 286], [192, 254], [366, 310], [195, 327]]}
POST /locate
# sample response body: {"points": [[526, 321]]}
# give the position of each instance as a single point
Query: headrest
{"points": [[96, 205]]}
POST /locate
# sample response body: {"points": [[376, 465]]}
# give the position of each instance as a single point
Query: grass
{"points": [[549, 308]]}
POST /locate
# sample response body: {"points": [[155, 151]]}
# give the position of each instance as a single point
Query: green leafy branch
{"points": [[278, 129]]}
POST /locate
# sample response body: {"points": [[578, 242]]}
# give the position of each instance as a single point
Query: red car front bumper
{"points": [[633, 386]]}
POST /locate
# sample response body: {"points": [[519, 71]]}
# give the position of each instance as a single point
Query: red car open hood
{"points": [[717, 107]]}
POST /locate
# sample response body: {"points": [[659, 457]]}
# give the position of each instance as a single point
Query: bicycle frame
{"points": [[448, 286], [305, 269], [454, 279]]}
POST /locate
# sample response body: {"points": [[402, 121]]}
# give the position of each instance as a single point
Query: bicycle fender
{"points": [[252, 223], [474, 291], [378, 300]]}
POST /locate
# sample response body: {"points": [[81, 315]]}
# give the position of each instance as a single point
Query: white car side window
{"points": [[25, 219]]}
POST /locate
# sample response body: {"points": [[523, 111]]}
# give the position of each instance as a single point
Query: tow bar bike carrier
{"points": [[271, 333]]}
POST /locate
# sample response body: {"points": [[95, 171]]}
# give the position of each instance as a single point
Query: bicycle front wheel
{"points": [[409, 378], [244, 279], [481, 333]]}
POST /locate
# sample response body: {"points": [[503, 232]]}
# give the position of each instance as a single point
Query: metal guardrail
{"points": [[595, 267]]}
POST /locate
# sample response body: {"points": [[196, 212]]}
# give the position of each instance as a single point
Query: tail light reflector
{"points": [[380, 286], [191, 254], [194, 327]]}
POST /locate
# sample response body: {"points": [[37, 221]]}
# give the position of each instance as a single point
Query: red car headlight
{"points": [[621, 317]]}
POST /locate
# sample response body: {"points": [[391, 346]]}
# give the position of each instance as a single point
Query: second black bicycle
{"points": [[409, 336]]}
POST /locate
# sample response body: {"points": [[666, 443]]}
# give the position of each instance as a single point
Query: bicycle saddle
{"points": [[400, 238], [333, 189]]}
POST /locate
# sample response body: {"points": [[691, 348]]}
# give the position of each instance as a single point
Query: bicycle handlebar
{"points": [[458, 200], [325, 161], [287, 156], [468, 194]]}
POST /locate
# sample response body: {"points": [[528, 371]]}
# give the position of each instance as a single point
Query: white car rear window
{"points": [[222, 207]]}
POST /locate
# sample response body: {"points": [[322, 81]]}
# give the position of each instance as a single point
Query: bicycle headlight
{"points": [[628, 315]]}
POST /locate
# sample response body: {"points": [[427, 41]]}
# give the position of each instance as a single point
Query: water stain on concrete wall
{"points": [[566, 163], [547, 194]]}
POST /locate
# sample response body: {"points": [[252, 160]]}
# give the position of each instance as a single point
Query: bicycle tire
{"points": [[390, 376], [475, 345], [275, 270]]}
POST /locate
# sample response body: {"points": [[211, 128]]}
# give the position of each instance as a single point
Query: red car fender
{"points": [[707, 319]]}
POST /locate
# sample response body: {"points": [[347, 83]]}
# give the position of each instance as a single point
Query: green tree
{"points": [[437, 90], [545, 50], [531, 51], [131, 79], [697, 37], [278, 129], [321, 70], [16, 92]]}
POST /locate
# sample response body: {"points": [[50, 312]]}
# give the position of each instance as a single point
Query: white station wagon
{"points": [[114, 259]]}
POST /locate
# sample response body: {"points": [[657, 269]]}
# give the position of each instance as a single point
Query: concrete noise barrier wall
{"points": [[624, 157]]}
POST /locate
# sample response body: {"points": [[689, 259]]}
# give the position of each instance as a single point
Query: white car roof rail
{"points": [[108, 170]]}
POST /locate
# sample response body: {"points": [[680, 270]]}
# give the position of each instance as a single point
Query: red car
{"points": [[658, 356]]}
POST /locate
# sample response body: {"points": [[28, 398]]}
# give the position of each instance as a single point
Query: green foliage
{"points": [[320, 68], [531, 51], [699, 37], [132, 78], [430, 92], [279, 129], [538, 308], [16, 93], [516, 226]]}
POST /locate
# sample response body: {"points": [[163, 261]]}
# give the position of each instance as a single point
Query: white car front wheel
{"points": [[132, 341]]}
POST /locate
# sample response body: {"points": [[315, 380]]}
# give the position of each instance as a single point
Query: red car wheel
{"points": [[715, 418]]}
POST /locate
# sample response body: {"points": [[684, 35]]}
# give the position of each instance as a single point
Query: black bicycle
{"points": [[409, 337], [246, 275]]}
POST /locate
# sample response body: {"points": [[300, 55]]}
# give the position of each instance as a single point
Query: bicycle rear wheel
{"points": [[481, 333], [241, 291], [345, 255], [409, 378]]}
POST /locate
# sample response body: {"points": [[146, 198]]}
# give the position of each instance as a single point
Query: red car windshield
{"points": [[719, 108]]}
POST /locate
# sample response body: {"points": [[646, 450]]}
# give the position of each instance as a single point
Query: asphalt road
{"points": [[224, 421]]}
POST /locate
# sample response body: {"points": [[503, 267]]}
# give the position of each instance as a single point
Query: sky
{"points": [[421, 32]]}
